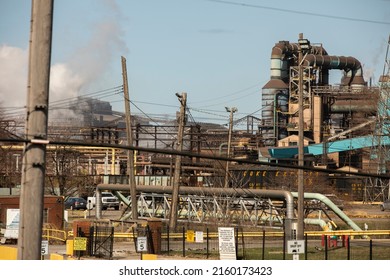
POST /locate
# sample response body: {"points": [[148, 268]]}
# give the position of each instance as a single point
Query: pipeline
{"points": [[351, 66], [332, 206], [275, 194], [284, 52], [318, 222]]}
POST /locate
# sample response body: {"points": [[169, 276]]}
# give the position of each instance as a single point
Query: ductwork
{"points": [[351, 66], [282, 57], [285, 55]]}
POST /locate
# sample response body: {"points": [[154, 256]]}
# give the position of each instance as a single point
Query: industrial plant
{"points": [[336, 134]]}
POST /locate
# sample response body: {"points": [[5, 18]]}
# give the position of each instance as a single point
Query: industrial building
{"points": [[343, 128]]}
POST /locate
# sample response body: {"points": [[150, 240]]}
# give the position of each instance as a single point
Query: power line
{"points": [[189, 154], [298, 12], [223, 97]]}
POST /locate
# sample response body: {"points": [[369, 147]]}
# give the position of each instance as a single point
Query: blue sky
{"points": [[216, 51]]}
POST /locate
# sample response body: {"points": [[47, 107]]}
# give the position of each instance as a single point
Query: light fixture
{"points": [[304, 44]]}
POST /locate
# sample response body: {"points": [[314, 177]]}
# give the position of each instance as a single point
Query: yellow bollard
{"points": [[147, 257], [69, 247]]}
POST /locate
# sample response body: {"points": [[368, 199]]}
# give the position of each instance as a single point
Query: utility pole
{"points": [[231, 111], [179, 147], [304, 45], [34, 154], [130, 153]]}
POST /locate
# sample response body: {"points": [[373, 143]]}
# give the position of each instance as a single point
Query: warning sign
{"points": [[80, 244], [190, 236], [227, 245]]}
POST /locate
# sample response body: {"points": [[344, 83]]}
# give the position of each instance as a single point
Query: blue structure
{"points": [[330, 147]]}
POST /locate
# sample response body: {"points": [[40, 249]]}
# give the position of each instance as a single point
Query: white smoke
{"points": [[65, 84], [88, 67], [13, 77], [369, 75]]}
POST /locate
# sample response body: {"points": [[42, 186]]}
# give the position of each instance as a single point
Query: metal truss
{"points": [[256, 212]]}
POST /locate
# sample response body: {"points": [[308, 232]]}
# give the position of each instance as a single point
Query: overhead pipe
{"points": [[318, 222], [282, 53], [351, 66], [332, 206], [275, 194]]}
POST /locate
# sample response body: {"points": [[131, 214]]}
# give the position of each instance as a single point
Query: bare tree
{"points": [[68, 172]]}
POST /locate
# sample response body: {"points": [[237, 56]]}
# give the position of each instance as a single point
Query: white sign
{"points": [[199, 236], [142, 244], [12, 224], [296, 246], [45, 247], [227, 244]]}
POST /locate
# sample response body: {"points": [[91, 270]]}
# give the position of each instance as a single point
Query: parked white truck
{"points": [[109, 200]]}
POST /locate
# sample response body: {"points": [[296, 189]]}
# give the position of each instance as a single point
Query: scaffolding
{"points": [[378, 188]]}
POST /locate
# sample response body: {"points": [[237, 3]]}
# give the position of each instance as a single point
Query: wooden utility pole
{"points": [[179, 147], [34, 154], [130, 153], [232, 111]]}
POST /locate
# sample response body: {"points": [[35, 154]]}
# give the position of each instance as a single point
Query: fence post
{"points": [[112, 243], [370, 249], [243, 244], [207, 243], [306, 246], [348, 248], [326, 247], [284, 245], [263, 249], [184, 243], [236, 240], [168, 240]]}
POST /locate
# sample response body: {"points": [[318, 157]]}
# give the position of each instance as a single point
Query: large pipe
{"points": [[281, 55], [275, 194], [332, 206], [351, 66]]}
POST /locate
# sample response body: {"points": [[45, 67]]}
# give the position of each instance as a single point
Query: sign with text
{"points": [[199, 236], [190, 236], [80, 244], [227, 244], [12, 224], [45, 247], [296, 246], [142, 244]]}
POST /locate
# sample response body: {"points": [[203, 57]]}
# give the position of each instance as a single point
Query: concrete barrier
{"points": [[8, 253]]}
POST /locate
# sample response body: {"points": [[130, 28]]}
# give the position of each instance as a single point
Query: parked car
{"points": [[108, 200], [385, 205], [75, 203]]}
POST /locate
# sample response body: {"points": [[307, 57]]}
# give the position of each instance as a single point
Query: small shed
{"points": [[53, 209]]}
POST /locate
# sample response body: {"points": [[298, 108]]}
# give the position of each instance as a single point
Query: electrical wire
{"points": [[189, 154], [298, 12]]}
